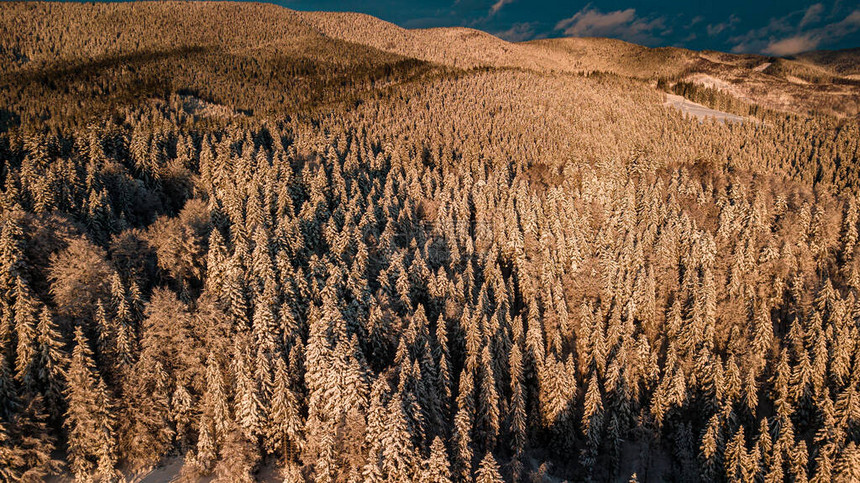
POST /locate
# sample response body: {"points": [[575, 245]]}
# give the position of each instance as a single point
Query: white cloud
{"points": [[622, 24], [791, 45], [815, 37], [498, 6], [812, 15]]}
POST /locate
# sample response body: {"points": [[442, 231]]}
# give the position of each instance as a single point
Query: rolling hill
{"points": [[344, 43], [253, 57], [842, 62]]}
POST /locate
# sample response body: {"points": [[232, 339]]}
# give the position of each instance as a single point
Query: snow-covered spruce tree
{"points": [[89, 419]]}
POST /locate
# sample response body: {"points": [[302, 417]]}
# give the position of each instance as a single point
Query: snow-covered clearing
{"points": [[700, 111]]}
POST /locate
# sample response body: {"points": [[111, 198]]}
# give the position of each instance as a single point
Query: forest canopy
{"points": [[252, 250]]}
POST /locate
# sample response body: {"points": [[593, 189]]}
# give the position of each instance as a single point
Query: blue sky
{"points": [[775, 27]]}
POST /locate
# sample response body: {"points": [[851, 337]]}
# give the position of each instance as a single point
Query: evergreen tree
{"points": [[34, 443], [9, 397], [398, 453], [325, 468], [89, 419], [592, 423], [51, 361], [463, 426], [240, 457], [12, 259], [488, 403], [284, 434], [436, 468], [247, 406], [517, 423], [736, 456], [10, 457], [182, 414], [215, 419], [25, 310], [488, 471], [206, 451], [848, 464]]}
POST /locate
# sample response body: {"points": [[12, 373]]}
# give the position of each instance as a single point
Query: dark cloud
{"points": [[518, 32], [716, 29]]}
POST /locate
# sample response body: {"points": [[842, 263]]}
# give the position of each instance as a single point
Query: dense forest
{"points": [[282, 255]]}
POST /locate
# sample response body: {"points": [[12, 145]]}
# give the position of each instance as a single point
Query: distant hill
{"points": [[254, 57], [843, 62], [819, 82], [456, 47], [618, 56], [292, 49]]}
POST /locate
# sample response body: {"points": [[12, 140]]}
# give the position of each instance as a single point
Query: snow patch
{"points": [[198, 107], [709, 81], [762, 67], [699, 111]]}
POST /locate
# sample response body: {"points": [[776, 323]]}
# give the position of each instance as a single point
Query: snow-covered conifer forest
{"points": [[244, 242]]}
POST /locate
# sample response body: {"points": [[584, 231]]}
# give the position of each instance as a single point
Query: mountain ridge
{"points": [[790, 85], [822, 82]]}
